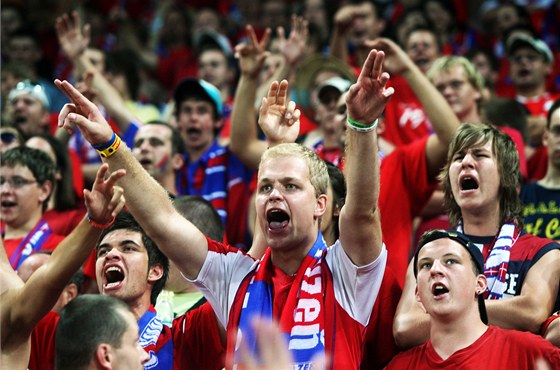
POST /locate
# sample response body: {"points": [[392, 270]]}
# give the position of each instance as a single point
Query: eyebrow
{"points": [[120, 244]]}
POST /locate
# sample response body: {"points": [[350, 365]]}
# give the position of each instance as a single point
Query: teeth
{"points": [[114, 268], [112, 285]]}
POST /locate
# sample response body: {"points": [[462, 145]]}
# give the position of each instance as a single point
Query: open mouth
{"points": [[439, 289], [145, 162], [19, 120], [8, 204], [113, 277], [469, 183], [277, 219]]}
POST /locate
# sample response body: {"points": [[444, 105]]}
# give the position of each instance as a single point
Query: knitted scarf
{"points": [[302, 319], [497, 260], [161, 351], [33, 242]]}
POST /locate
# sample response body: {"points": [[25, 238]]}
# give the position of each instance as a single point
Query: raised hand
{"points": [[83, 114], [366, 99], [278, 120], [70, 36], [344, 18], [293, 48], [252, 55], [105, 200], [396, 59]]}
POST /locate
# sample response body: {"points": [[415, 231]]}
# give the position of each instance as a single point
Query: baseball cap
{"points": [[30, 88], [211, 38], [192, 87], [338, 83], [518, 40], [473, 250]]}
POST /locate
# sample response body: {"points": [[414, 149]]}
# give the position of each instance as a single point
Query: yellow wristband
{"points": [[111, 149]]}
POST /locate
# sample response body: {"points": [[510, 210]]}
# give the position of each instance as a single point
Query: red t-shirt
{"points": [[405, 119], [50, 244], [404, 191], [62, 223], [380, 346], [496, 349]]}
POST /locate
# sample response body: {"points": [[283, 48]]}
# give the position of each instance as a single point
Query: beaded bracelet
{"points": [[360, 127], [110, 147], [98, 225]]}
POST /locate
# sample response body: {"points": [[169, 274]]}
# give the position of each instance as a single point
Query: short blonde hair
{"points": [[318, 173], [444, 64]]}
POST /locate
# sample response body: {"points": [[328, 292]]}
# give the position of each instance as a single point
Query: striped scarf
{"points": [[497, 260], [302, 318]]}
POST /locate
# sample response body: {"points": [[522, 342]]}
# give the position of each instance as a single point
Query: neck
{"points": [[483, 223], [139, 306], [471, 116], [530, 91], [196, 153], [552, 178], [289, 258], [450, 337], [328, 234], [331, 142], [20, 230]]}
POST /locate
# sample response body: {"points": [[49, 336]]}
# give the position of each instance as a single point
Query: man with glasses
{"points": [[531, 62], [26, 182]]}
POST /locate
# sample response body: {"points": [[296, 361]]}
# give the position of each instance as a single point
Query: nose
{"points": [[436, 268], [275, 193], [113, 254], [144, 356], [467, 160]]}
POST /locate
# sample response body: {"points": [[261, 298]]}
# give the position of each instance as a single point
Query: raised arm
{"points": [[343, 20], [360, 227], [148, 202], [443, 119], [32, 301], [244, 139], [74, 42]]}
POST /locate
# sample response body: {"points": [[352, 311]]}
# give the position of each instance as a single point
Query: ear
{"points": [[155, 273], [69, 292], [481, 284], [416, 295], [104, 356], [177, 161], [545, 138], [46, 190], [218, 123], [58, 175], [336, 210], [320, 206]]}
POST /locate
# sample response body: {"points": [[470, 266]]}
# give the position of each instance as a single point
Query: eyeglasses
{"points": [[16, 182], [7, 137]]}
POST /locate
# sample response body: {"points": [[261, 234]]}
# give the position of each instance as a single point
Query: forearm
{"points": [[518, 313], [338, 46], [41, 291], [151, 206], [443, 119], [359, 215], [411, 329], [244, 141]]}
